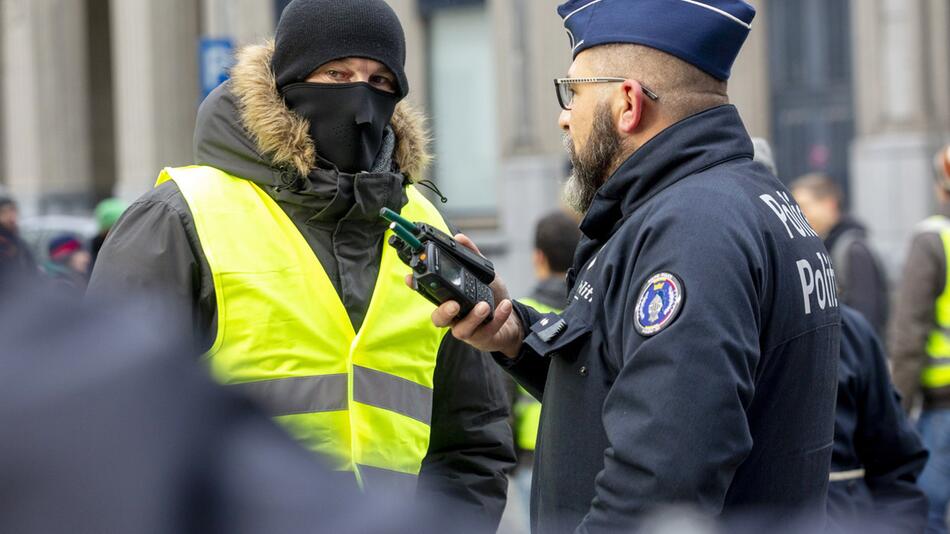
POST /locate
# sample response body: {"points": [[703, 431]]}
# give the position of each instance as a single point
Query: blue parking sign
{"points": [[216, 56]]}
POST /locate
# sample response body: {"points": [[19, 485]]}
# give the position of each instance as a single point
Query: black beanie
{"points": [[313, 32]]}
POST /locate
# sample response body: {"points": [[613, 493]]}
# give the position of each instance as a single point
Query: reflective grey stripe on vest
{"points": [[297, 395], [327, 393], [938, 361], [935, 223], [934, 360], [391, 482], [392, 393]]}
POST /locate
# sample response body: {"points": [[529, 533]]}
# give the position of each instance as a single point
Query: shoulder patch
{"points": [[660, 301]]}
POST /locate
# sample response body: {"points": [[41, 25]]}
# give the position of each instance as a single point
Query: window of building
{"points": [[462, 104], [811, 87]]}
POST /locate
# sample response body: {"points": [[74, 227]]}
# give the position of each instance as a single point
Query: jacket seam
{"points": [[799, 335]]}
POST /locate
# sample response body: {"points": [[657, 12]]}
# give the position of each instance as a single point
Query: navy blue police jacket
{"points": [[878, 455], [696, 361]]}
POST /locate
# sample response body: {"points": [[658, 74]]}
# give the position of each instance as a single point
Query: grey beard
{"points": [[594, 165], [577, 196]]}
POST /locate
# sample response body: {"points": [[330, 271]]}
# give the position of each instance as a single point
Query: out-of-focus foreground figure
{"points": [[111, 426]]}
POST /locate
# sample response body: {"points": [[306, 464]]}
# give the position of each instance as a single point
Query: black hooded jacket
{"points": [[246, 130]]}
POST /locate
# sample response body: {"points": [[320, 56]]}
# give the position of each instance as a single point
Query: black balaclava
{"points": [[347, 121]]}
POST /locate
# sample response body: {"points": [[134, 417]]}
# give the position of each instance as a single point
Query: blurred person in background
{"points": [[9, 214], [859, 274], [16, 260], [107, 213], [69, 263], [763, 154], [275, 251], [555, 240], [920, 341], [878, 455]]}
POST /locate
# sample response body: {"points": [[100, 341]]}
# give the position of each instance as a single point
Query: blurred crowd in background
{"points": [[855, 90]]}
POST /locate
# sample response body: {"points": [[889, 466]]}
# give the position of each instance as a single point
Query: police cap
{"points": [[705, 33]]}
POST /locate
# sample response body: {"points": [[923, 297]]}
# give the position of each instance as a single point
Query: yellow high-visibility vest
{"points": [[527, 409], [362, 399], [936, 372]]}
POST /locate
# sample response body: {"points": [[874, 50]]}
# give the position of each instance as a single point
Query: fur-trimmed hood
{"points": [[245, 128]]}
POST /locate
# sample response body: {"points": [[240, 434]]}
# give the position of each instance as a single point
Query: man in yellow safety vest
{"points": [[273, 246], [920, 342]]}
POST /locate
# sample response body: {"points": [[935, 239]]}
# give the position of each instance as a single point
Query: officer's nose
{"points": [[564, 119]]}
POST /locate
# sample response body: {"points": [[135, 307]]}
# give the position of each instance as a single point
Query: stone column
{"points": [[242, 21], [901, 85], [45, 105], [749, 84], [530, 48], [416, 57], [156, 88]]}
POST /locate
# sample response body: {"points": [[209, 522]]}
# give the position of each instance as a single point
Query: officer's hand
{"points": [[503, 334]]}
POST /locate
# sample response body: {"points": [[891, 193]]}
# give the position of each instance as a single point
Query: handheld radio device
{"points": [[442, 269]]}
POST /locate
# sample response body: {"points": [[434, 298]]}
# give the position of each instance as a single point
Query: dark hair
{"points": [[820, 185], [556, 236]]}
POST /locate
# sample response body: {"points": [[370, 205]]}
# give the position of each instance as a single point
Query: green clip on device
{"points": [[442, 270]]}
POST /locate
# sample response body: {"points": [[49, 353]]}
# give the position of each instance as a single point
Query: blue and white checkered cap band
{"points": [[704, 33]]}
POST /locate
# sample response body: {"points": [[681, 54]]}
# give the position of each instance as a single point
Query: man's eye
{"points": [[382, 82]]}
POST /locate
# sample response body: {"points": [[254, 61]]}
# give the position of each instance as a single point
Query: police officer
{"points": [[696, 359], [878, 455], [273, 250]]}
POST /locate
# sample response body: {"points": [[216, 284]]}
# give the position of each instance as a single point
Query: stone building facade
{"points": [[98, 95]]}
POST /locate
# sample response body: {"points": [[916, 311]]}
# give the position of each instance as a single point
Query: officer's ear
{"points": [[631, 111]]}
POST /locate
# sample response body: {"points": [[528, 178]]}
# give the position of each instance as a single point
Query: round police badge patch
{"points": [[659, 303]]}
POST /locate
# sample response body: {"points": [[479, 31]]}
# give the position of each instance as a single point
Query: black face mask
{"points": [[347, 120]]}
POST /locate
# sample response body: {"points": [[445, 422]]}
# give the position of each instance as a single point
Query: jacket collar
{"points": [[695, 143]]}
